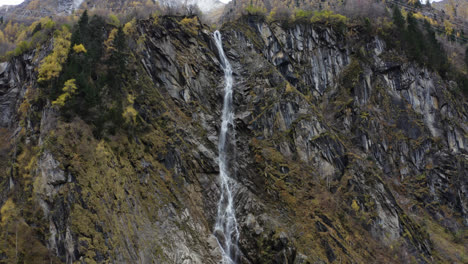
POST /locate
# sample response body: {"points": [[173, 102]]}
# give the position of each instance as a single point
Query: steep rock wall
{"points": [[344, 152]]}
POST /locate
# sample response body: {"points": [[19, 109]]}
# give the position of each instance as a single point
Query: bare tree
{"points": [[353, 9]]}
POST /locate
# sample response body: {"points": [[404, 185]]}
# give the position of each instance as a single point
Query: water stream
{"points": [[226, 229]]}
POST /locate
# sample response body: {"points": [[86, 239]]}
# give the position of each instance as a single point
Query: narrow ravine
{"points": [[226, 229]]}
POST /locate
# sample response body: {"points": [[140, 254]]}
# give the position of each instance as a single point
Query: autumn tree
{"points": [[69, 89], [79, 48], [448, 28], [451, 8], [52, 64], [2, 37], [114, 20], [130, 114]]}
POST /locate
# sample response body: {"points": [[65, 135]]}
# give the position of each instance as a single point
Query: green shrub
{"points": [[351, 74], [114, 20], [326, 17], [329, 18], [303, 15], [49, 24], [255, 10], [21, 48], [190, 25], [280, 13]]}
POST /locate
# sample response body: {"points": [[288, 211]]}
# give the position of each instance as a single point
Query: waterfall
{"points": [[226, 230]]}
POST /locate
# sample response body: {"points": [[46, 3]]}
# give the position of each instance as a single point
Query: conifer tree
{"points": [[466, 57], [414, 37], [398, 18], [117, 57], [80, 34]]}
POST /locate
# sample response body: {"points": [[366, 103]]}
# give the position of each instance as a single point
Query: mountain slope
{"points": [[346, 150], [43, 8], [455, 8]]}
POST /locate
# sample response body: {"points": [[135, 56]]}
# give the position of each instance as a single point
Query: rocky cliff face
{"points": [[344, 152]]}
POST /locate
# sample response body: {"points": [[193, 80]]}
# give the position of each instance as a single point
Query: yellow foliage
{"points": [[110, 40], [448, 27], [11, 30], [46, 22], [255, 10], [149, 3], [301, 14], [2, 37], [404, 12], [114, 20], [69, 89], [61, 100], [420, 16], [70, 86], [432, 21], [328, 17], [130, 114], [7, 210], [79, 48], [190, 25], [135, 4], [451, 8], [21, 36], [30, 95], [52, 65], [355, 206], [33, 26], [131, 99], [289, 88], [271, 16], [155, 17], [129, 28], [33, 5]]}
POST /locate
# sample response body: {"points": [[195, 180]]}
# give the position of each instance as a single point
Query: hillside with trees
{"points": [[292, 132]]}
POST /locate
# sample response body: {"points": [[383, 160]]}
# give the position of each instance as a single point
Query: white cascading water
{"points": [[226, 230]]}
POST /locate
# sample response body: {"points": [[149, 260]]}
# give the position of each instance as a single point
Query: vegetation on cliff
{"points": [[339, 157]]}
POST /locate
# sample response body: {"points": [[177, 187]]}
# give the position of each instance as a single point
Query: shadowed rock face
{"points": [[344, 151], [12, 88]]}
